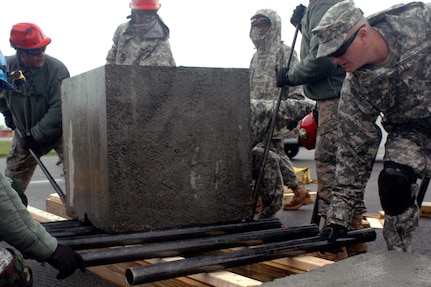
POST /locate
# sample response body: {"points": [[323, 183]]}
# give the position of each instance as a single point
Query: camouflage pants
{"points": [[278, 172], [325, 155], [416, 153], [398, 229], [14, 272], [20, 164]]}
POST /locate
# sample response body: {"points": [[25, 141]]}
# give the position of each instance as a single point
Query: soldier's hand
{"points": [[332, 232], [297, 15], [282, 77], [66, 261], [28, 142]]}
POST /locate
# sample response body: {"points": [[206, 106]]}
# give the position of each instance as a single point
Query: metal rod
{"points": [[270, 251], [74, 232], [259, 180], [53, 225], [181, 247], [46, 172], [50, 178], [108, 240]]}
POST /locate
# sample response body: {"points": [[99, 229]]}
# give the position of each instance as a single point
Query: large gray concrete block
{"points": [[157, 147]]}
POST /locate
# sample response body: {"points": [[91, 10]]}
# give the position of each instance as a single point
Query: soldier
{"points": [[20, 230], [322, 81], [35, 104], [274, 178], [270, 56], [387, 59], [144, 40]]}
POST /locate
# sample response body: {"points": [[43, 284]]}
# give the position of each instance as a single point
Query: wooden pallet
{"points": [[249, 275]]}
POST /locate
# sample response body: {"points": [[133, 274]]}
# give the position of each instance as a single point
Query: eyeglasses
{"points": [[346, 44], [36, 52]]}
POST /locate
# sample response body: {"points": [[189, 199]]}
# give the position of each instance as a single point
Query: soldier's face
{"points": [[144, 16], [33, 59], [349, 54], [262, 29]]}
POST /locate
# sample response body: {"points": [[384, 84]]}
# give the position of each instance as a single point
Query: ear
{"points": [[363, 35]]}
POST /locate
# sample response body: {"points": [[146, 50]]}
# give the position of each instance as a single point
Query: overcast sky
{"points": [[204, 33]]}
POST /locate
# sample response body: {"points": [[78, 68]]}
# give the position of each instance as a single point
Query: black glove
{"points": [[28, 142], [66, 260], [332, 232], [282, 77], [297, 15], [8, 120]]}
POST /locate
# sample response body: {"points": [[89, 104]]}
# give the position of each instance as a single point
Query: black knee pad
{"points": [[395, 183]]}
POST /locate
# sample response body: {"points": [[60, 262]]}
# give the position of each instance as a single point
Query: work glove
{"points": [[28, 142], [332, 232], [297, 15], [283, 78], [66, 261], [8, 120]]}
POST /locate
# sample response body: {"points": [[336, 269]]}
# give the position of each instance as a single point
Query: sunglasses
{"points": [[346, 44], [36, 52], [260, 22]]}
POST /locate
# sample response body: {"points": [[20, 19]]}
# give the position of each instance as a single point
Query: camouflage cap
{"points": [[334, 25]]}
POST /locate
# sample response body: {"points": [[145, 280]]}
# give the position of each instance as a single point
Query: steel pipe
{"points": [[181, 247], [110, 240], [269, 251]]}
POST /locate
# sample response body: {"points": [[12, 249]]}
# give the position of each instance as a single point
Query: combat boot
{"points": [[301, 196], [358, 248]]}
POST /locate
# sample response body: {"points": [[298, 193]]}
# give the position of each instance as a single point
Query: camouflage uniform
{"points": [[277, 170], [271, 55], [398, 90], [20, 230], [36, 108], [322, 82], [145, 44]]}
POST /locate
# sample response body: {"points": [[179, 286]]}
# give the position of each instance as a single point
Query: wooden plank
{"points": [[375, 222], [379, 215], [305, 263], [43, 216], [115, 273], [55, 206], [226, 279], [425, 209], [263, 271], [218, 278]]}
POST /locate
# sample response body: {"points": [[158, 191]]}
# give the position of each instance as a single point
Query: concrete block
{"points": [[157, 147]]}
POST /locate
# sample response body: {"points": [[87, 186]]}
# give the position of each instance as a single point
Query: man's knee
{"points": [[395, 187]]}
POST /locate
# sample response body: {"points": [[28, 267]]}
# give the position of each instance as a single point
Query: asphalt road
{"points": [[40, 189]]}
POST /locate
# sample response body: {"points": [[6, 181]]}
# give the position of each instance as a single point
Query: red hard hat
{"points": [[308, 131], [145, 4], [28, 36]]}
